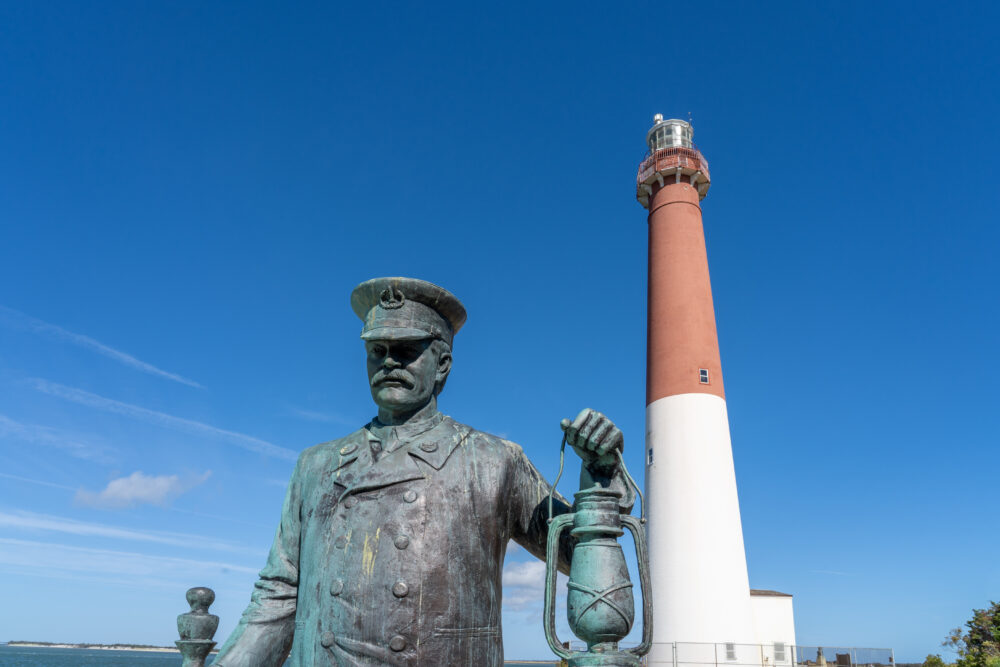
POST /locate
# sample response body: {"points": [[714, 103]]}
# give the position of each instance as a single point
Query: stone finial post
{"points": [[197, 627]]}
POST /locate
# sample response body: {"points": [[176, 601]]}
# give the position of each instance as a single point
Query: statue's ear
{"points": [[444, 364], [443, 367]]}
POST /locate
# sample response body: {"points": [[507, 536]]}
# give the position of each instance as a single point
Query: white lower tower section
{"points": [[701, 592]]}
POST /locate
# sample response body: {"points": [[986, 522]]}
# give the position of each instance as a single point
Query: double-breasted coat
{"points": [[396, 558]]}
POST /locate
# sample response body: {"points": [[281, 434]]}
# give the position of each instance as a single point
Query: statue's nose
{"points": [[390, 362]]}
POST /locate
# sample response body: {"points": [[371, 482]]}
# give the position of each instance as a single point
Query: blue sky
{"points": [[190, 192]]}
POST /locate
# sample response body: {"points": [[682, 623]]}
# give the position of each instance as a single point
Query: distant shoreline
{"points": [[98, 647]]}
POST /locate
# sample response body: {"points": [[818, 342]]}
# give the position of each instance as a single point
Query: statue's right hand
{"points": [[595, 438]]}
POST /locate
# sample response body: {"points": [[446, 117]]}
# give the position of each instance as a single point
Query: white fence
{"points": [[685, 654], [688, 654]]}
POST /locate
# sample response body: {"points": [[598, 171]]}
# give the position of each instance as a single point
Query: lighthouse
{"points": [[701, 592]]}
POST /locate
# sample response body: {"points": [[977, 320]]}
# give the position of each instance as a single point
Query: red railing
{"points": [[666, 159]]}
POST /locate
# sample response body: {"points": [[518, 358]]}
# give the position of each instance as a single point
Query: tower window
{"points": [[779, 651], [730, 651], [703, 375], [649, 457]]}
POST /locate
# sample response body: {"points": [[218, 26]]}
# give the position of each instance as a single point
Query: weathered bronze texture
{"points": [[391, 543], [197, 627], [600, 606]]}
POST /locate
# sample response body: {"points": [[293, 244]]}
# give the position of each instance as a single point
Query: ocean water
{"points": [[27, 656]]}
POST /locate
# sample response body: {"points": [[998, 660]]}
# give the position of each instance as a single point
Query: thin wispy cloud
{"points": [[140, 488], [523, 585], [18, 320], [219, 517], [64, 561], [73, 489], [88, 399], [529, 574], [318, 416], [524, 593], [32, 522], [38, 482], [47, 436]]}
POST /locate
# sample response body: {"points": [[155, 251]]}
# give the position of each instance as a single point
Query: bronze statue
{"points": [[392, 539]]}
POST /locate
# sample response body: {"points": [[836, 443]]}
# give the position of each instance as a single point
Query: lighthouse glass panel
{"points": [[670, 135], [686, 135], [662, 138]]}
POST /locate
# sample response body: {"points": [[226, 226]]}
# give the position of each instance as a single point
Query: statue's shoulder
{"points": [[331, 451], [486, 442]]}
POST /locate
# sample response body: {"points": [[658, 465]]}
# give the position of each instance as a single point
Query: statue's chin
{"points": [[398, 399]]}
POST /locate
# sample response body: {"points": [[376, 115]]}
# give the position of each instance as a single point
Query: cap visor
{"points": [[396, 333]]}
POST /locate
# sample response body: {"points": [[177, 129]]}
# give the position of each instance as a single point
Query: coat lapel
{"points": [[353, 455], [391, 468], [357, 471], [436, 446]]}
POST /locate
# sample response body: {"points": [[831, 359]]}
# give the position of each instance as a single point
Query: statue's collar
{"points": [[406, 430], [357, 471]]}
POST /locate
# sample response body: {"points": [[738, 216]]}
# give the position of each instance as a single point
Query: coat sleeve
{"points": [[529, 504], [264, 635]]}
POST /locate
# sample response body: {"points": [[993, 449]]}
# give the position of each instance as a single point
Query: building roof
{"points": [[766, 593]]}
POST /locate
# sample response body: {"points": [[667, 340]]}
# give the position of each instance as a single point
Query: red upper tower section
{"points": [[682, 346]]}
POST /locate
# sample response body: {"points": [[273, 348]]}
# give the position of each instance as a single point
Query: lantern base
{"points": [[615, 659]]}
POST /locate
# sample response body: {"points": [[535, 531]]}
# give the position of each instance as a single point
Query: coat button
{"points": [[397, 643], [350, 502], [336, 587], [326, 639], [341, 542], [429, 446], [400, 589], [410, 496], [401, 541], [348, 449]]}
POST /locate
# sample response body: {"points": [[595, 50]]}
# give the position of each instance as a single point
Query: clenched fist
{"points": [[595, 438]]}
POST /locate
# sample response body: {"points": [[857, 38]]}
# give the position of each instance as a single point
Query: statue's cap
{"points": [[406, 309]]}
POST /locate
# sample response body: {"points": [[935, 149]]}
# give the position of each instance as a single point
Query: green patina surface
{"points": [[392, 539]]}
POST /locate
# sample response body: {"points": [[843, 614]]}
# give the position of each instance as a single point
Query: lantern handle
{"points": [[562, 461], [642, 500], [642, 559], [556, 526]]}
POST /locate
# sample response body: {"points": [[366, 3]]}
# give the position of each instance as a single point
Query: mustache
{"points": [[393, 376]]}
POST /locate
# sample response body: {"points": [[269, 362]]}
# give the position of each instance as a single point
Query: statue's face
{"points": [[402, 374]]}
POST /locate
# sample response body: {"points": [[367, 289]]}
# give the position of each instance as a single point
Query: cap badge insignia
{"points": [[390, 298]]}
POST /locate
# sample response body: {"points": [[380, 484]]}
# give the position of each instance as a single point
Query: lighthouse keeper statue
{"points": [[392, 539]]}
